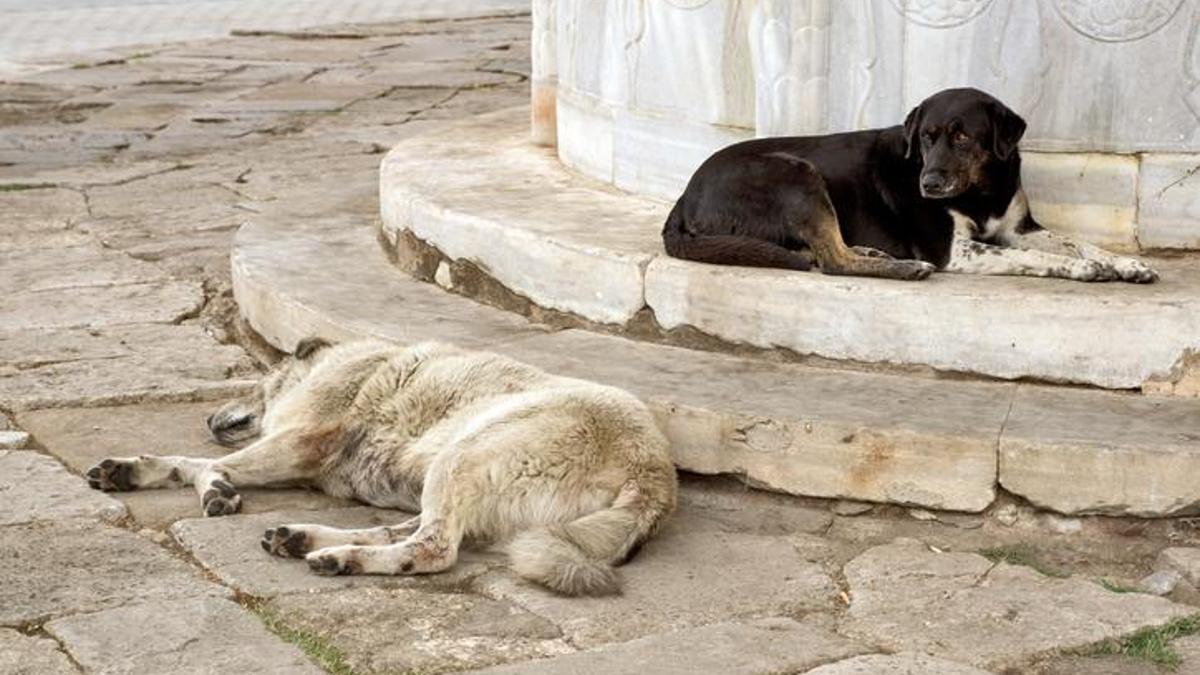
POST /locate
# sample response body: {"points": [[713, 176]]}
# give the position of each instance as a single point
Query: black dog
{"points": [[941, 192]]}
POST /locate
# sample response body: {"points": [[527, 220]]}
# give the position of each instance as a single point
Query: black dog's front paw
{"points": [[111, 475]]}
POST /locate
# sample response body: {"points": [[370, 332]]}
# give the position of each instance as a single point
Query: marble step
{"points": [[940, 443], [479, 191]]}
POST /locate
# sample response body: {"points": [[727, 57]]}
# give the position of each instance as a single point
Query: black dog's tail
{"points": [[726, 249]]}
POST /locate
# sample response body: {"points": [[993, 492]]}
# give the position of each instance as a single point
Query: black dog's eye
{"points": [[927, 138], [961, 139]]}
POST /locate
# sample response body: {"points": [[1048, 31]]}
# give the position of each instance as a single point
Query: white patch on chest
{"points": [[994, 229]]}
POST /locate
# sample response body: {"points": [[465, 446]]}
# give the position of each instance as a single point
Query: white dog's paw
{"points": [[287, 541], [221, 499], [112, 475], [1134, 271], [334, 560], [1091, 270]]}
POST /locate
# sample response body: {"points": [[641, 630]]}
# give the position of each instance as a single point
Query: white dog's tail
{"points": [[577, 558]]}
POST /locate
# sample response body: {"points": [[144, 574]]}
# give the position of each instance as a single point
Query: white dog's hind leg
{"points": [[295, 541]]}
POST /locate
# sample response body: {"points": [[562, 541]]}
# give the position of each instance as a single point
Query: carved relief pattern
{"points": [[1117, 20], [941, 13], [789, 44]]}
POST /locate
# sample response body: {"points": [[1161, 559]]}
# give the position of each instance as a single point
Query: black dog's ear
{"points": [[912, 125], [1007, 132], [309, 346]]}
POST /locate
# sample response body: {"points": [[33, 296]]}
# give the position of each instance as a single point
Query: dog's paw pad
{"points": [[285, 542], [329, 564], [916, 270], [111, 475], [221, 499]]}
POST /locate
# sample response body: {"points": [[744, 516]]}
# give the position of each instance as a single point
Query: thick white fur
{"points": [[571, 474]]}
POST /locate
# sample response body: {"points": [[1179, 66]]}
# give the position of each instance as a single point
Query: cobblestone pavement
{"points": [[121, 186]]}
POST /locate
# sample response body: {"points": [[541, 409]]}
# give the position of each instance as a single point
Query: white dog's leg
{"points": [[973, 257], [432, 548], [295, 541], [145, 472], [1124, 267]]}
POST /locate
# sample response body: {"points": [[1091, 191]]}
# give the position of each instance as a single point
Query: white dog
{"points": [[573, 475]]}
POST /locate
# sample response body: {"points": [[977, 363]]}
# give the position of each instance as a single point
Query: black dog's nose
{"points": [[934, 181]]}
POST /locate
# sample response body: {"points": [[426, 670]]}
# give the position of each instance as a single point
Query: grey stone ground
{"points": [[121, 185]]}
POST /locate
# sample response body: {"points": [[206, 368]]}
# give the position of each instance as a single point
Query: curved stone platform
{"points": [[926, 441], [479, 191]]}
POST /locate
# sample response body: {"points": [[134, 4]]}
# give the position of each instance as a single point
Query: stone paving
{"points": [[121, 186]]}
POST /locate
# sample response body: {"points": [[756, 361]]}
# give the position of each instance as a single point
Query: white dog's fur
{"points": [[573, 475]]}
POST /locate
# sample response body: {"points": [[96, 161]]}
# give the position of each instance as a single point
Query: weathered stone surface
{"points": [[1169, 201], [35, 487], [198, 635], [1139, 332], [1090, 196], [904, 663], [24, 655], [1094, 453], [299, 97], [1184, 560], [750, 647], [906, 597], [116, 364], [679, 580], [576, 246], [733, 506], [286, 301], [229, 548], [153, 302], [798, 429], [52, 569], [415, 631], [83, 437]]}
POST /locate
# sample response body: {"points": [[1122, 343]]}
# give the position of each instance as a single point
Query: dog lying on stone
{"points": [[940, 192], [573, 475]]}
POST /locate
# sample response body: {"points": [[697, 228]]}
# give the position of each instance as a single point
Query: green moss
{"points": [[319, 649], [1117, 587], [1150, 644], [1024, 555]]}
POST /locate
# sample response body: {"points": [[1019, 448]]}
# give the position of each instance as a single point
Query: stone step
{"points": [[479, 191], [934, 442]]}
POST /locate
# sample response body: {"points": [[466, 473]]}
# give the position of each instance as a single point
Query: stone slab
{"points": [[907, 597], [25, 655], [1184, 560], [94, 567], [228, 547], [951, 322], [286, 302], [682, 579], [799, 429], [1169, 201], [81, 437], [154, 302], [198, 635], [35, 487], [1096, 453], [577, 246], [751, 647], [904, 663], [1090, 196], [112, 365], [416, 631]]}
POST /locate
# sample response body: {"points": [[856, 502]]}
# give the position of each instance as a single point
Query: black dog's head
{"points": [[959, 134]]}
